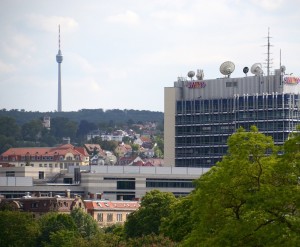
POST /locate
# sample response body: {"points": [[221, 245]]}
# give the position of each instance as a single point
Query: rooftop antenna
{"points": [[269, 61], [227, 68], [191, 74]]}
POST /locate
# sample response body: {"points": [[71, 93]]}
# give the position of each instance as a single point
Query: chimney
{"points": [[68, 193]]}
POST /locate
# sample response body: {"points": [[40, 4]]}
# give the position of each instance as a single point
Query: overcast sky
{"points": [[120, 54]]}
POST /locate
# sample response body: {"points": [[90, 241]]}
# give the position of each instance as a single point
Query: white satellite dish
{"points": [[200, 74], [256, 69], [282, 68], [227, 68], [191, 74]]}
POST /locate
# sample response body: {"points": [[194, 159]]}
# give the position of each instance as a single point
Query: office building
{"points": [[200, 114]]}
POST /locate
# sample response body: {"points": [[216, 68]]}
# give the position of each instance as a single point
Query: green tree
{"points": [[9, 127], [178, 225], [32, 131], [66, 238], [85, 223], [240, 202], [107, 240], [63, 127], [17, 229], [135, 147], [85, 127], [150, 241], [51, 223], [155, 205], [6, 143]]}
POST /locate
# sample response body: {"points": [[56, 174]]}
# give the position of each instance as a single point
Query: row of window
{"points": [[236, 116], [110, 217], [33, 158], [168, 184], [200, 162], [266, 126], [246, 103]]}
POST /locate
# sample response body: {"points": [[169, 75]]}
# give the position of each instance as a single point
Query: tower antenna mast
{"points": [[268, 60]]}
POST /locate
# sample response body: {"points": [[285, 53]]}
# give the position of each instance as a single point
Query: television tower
{"points": [[59, 59]]}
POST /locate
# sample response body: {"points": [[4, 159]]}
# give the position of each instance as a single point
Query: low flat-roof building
{"points": [[111, 182]]}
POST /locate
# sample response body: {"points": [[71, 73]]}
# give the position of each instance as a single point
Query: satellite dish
{"points": [[256, 69], [245, 70], [191, 74], [227, 68], [200, 74], [282, 68]]}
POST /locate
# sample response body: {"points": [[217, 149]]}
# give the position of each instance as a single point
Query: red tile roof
{"points": [[111, 205], [46, 151]]}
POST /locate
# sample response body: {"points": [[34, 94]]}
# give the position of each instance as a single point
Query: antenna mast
{"points": [[58, 37], [269, 59]]}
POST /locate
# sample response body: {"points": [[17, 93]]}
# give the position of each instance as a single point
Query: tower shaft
{"points": [[59, 59], [59, 108]]}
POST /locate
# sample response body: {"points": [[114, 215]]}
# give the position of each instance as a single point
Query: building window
{"points": [[10, 174], [22, 157], [32, 157], [34, 205], [50, 165], [5, 158], [45, 165], [231, 84], [125, 185], [109, 217], [69, 158], [100, 217], [41, 175], [40, 165], [119, 217], [61, 165]]}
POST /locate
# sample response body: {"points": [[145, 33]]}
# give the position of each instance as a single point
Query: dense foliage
{"points": [[250, 198], [25, 129], [106, 117]]}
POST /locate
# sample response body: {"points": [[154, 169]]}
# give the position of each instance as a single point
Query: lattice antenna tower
{"points": [[268, 61]]}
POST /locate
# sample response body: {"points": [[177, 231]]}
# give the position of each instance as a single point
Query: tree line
{"points": [[250, 198], [108, 117], [34, 134]]}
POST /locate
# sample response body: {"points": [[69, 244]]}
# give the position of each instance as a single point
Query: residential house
{"points": [[53, 157], [40, 205], [122, 149], [108, 213]]}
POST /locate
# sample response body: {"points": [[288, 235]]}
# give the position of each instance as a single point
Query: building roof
{"points": [[104, 205], [40, 151]]}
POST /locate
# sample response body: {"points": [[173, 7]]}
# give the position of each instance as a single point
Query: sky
{"points": [[121, 54]]}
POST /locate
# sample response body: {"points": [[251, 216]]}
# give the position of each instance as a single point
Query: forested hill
{"points": [[114, 116]]}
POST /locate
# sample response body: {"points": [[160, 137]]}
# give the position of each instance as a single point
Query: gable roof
{"points": [[104, 205]]}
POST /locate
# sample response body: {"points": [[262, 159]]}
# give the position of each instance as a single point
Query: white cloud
{"points": [[50, 23], [269, 4], [81, 63], [6, 68], [128, 18]]}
